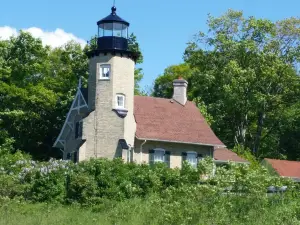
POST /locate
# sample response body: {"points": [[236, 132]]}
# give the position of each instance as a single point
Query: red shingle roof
{"points": [[285, 168], [166, 120], [225, 154]]}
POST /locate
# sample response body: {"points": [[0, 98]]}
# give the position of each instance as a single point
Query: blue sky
{"points": [[162, 27]]}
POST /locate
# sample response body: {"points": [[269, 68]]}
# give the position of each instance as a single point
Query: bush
{"points": [[81, 188]]}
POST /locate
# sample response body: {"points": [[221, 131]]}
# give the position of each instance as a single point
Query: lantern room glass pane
{"points": [[105, 29], [113, 29], [120, 30]]}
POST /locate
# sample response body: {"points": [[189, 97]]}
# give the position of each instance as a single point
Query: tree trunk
{"points": [[260, 124], [240, 134]]}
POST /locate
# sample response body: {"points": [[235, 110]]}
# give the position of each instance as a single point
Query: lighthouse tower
{"points": [[109, 129], [100, 122]]}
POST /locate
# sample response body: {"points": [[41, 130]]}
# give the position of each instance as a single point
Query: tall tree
{"points": [[36, 87], [245, 71], [247, 76]]}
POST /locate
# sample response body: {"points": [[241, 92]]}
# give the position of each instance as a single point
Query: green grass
{"points": [[219, 211], [17, 213]]}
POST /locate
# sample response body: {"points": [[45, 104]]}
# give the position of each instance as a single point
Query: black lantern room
{"points": [[112, 33]]}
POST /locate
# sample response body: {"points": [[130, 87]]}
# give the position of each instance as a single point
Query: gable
{"points": [[79, 105]]}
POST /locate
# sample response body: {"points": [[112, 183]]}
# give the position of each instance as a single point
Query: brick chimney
{"points": [[179, 92]]}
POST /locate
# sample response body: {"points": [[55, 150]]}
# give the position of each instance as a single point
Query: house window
{"points": [[78, 129], [191, 157], [159, 155], [120, 101], [104, 71]]}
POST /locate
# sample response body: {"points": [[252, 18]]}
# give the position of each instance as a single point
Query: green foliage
{"points": [[185, 205], [115, 192], [163, 85], [247, 78], [36, 88], [243, 75], [90, 181]]}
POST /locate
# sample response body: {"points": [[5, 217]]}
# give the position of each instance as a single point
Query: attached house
{"points": [[283, 168], [107, 120]]}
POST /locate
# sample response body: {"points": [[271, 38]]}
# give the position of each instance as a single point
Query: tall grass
{"points": [[205, 208]]}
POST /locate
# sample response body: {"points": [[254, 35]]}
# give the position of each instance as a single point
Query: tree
{"points": [[134, 46], [163, 85], [247, 76], [36, 87]]}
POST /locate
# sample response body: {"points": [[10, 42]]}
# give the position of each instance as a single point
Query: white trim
{"points": [[71, 125], [100, 69], [85, 103], [141, 151], [77, 108], [181, 142], [228, 161], [116, 99]]}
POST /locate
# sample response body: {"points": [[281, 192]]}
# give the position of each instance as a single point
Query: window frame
{"points": [[101, 72], [161, 150], [195, 163], [117, 102]]}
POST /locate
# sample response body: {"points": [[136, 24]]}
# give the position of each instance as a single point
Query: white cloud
{"points": [[53, 38], [6, 32]]}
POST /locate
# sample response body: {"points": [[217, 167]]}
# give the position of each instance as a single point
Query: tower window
{"points": [[120, 101], [104, 72], [78, 129]]}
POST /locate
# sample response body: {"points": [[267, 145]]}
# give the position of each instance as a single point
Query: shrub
{"points": [[81, 188]]}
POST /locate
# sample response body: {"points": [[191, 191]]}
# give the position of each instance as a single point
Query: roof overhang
{"points": [[296, 179], [181, 142], [228, 161]]}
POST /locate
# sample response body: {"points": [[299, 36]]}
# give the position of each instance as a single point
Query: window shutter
{"points": [[167, 158], [151, 156], [80, 127], [76, 130], [184, 154], [75, 158], [199, 157]]}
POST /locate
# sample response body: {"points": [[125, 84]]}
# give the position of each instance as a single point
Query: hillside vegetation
{"points": [[112, 192]]}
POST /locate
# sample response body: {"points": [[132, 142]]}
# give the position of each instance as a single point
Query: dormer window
{"points": [[120, 101], [104, 71]]}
